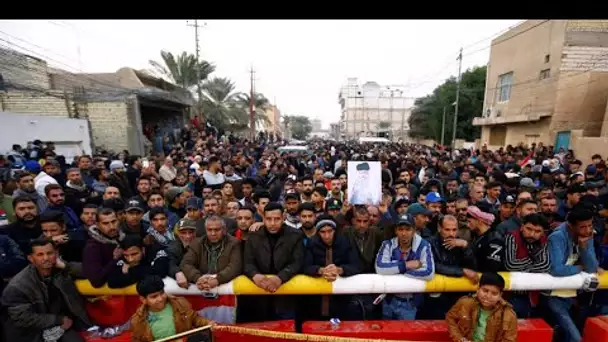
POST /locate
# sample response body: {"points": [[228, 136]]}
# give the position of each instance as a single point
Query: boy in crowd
{"points": [[485, 316], [162, 315]]}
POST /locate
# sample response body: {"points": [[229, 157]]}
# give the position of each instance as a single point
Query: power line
{"points": [[79, 77]]}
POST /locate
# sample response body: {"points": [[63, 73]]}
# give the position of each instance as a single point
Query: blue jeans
{"points": [[521, 305], [399, 309], [560, 308]]}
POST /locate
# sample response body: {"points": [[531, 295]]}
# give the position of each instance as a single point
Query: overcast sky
{"points": [[300, 63]]}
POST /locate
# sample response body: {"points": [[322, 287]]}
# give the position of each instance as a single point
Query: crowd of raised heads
{"points": [[208, 207]]}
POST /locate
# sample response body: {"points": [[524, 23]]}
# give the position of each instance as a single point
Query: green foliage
{"points": [[183, 70], [221, 104], [299, 126], [426, 118]]}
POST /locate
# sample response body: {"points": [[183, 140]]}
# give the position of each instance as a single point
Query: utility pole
{"points": [[443, 127], [251, 104], [198, 69], [457, 98]]}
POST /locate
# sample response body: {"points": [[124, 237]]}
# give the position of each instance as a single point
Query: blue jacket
{"points": [[561, 246], [388, 260]]}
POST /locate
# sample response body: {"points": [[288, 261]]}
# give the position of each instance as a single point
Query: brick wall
{"points": [[109, 124], [35, 103]]}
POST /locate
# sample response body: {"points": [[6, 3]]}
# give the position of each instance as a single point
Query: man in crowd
{"points": [[526, 251], [102, 250], [41, 302], [137, 261], [214, 258], [273, 255], [408, 254], [571, 252], [453, 257]]}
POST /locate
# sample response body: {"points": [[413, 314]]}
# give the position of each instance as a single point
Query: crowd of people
{"points": [[215, 207]]}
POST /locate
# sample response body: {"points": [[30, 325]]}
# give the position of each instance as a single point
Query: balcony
{"points": [[502, 120]]}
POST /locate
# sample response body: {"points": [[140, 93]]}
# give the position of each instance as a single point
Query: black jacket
{"points": [[155, 262], [343, 255], [26, 300], [21, 234], [489, 251], [451, 262], [285, 259]]}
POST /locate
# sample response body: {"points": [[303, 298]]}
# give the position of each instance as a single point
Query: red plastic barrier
{"points": [[117, 310], [596, 329], [535, 330], [112, 310], [282, 326]]}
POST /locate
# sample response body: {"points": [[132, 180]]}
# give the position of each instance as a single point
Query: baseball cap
{"points": [[185, 223], [433, 197], [333, 203], [509, 199], [405, 219], [417, 209], [292, 194], [134, 204], [172, 193], [194, 203]]}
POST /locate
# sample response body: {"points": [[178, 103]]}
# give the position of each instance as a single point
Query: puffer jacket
{"points": [[501, 325], [184, 319], [450, 262]]}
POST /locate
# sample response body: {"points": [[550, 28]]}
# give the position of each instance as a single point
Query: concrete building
{"points": [[370, 109], [334, 130], [547, 82], [117, 105], [273, 125], [316, 125]]}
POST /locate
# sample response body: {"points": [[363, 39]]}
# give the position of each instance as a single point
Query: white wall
{"points": [[71, 136]]}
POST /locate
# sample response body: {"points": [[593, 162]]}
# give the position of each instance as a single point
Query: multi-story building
{"points": [[547, 81], [316, 125], [273, 125], [371, 109], [334, 130]]}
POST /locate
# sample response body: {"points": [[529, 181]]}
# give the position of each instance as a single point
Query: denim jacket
{"points": [[561, 246]]}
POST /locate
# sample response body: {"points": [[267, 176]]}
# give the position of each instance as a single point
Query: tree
{"points": [[183, 69], [426, 118], [260, 105], [299, 126], [220, 103]]}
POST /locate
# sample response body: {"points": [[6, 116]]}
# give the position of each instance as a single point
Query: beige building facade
{"points": [[274, 120], [547, 82], [117, 105]]}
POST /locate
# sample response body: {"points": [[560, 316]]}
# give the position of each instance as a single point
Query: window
{"points": [[544, 74], [504, 87], [547, 58]]}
